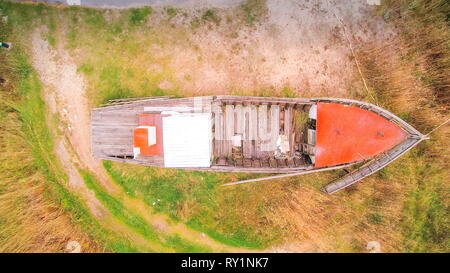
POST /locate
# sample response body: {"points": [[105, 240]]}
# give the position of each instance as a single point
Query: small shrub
{"points": [[375, 218], [171, 12], [210, 15], [195, 23]]}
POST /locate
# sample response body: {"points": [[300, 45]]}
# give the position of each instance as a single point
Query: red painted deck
{"points": [[140, 136], [347, 134]]}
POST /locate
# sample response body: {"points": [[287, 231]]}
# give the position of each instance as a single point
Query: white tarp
{"points": [[313, 112], [187, 140]]}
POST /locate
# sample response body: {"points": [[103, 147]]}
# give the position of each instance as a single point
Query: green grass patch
{"points": [[197, 199], [181, 245], [137, 223], [118, 210], [114, 65], [139, 15], [426, 220], [288, 92], [253, 11]]}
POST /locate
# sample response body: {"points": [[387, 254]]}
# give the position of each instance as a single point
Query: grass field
{"points": [[38, 213], [120, 54]]}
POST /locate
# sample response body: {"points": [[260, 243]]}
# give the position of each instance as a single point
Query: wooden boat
{"points": [[291, 136]]}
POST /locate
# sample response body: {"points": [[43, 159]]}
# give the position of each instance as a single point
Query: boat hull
{"points": [[112, 133]]}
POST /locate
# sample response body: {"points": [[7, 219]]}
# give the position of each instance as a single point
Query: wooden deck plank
{"points": [[248, 147], [180, 109], [250, 130], [124, 141], [251, 99], [274, 127], [288, 127], [229, 130], [251, 122], [263, 130], [268, 129], [204, 102], [218, 129], [114, 151], [287, 121], [239, 119], [98, 132]]}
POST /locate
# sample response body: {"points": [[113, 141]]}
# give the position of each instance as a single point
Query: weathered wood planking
{"points": [[372, 166], [268, 130], [250, 130], [287, 121], [152, 160], [258, 100], [126, 140], [288, 127], [239, 122], [229, 130], [203, 102], [112, 132], [218, 129], [251, 116], [110, 118], [264, 136], [274, 127], [112, 151], [133, 100]]}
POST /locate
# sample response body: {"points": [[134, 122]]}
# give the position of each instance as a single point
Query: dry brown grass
{"points": [[30, 219], [345, 222], [409, 198], [409, 76], [425, 37]]}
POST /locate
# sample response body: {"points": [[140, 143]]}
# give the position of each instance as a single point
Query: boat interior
{"points": [[246, 134], [263, 134]]}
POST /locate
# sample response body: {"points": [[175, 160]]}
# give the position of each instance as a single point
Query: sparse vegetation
{"points": [[253, 10], [211, 15], [171, 12]]}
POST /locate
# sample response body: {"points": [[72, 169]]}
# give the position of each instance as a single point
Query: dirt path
{"points": [[55, 78], [65, 97]]}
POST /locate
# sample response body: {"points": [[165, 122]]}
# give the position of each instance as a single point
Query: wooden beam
{"points": [[229, 129]]}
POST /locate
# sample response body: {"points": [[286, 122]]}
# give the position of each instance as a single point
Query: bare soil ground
{"points": [[65, 98], [296, 44]]}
